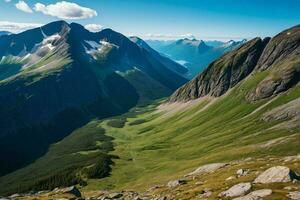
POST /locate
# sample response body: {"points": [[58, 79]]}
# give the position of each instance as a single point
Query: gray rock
{"points": [[173, 184], [294, 195], [278, 174], [242, 172], [207, 168], [256, 195], [237, 190]]}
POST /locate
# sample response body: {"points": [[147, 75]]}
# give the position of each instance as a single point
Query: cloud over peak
{"points": [[93, 27], [23, 6], [65, 10]]}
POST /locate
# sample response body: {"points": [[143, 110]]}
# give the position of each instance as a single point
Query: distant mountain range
{"points": [[55, 78], [195, 54]]}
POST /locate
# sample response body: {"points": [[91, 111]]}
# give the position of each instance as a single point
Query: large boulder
{"points": [[207, 168], [256, 195], [277, 174], [237, 190]]}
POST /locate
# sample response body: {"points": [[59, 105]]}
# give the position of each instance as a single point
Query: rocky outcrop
{"points": [[281, 47], [224, 73], [207, 168], [278, 174], [237, 190], [287, 111]]}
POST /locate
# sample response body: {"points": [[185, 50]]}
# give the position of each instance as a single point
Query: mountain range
{"points": [[215, 136], [194, 54], [56, 78]]}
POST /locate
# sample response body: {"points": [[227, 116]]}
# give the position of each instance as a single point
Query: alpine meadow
{"points": [[149, 100]]}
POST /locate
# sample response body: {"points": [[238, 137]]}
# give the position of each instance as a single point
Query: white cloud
{"points": [[188, 35], [22, 5], [93, 27], [7, 1], [16, 27], [65, 10]]}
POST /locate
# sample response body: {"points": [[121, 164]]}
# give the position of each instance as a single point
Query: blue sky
{"points": [[205, 19]]}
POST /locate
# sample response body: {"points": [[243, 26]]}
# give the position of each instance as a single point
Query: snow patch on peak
{"points": [[48, 41], [94, 47]]}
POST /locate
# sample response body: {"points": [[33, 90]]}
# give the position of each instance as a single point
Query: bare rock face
{"points": [[256, 195], [281, 58], [224, 73], [278, 174], [283, 45], [207, 168], [237, 190]]}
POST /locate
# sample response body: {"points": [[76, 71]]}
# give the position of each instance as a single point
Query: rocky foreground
{"points": [[248, 179]]}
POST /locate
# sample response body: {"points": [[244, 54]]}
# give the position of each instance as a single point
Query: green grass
{"points": [[168, 145], [117, 123], [153, 146]]}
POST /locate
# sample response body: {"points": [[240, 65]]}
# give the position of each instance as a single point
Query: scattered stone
{"points": [[294, 195], [256, 195], [242, 172], [230, 178], [208, 168], [291, 188], [70, 190], [199, 183], [204, 194], [291, 158], [237, 190], [173, 184], [154, 188], [115, 195], [278, 174]]}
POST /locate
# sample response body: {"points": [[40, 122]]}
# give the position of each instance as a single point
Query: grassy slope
{"points": [[155, 147], [167, 145]]}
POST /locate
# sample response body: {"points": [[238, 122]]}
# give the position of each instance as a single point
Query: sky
{"points": [[159, 19]]}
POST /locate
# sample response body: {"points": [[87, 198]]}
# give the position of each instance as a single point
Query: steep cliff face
{"points": [[224, 73], [281, 59]]}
